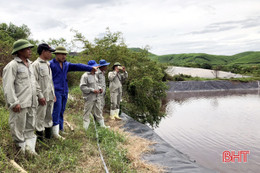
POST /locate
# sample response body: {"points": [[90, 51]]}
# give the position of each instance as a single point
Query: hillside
{"points": [[201, 58]]}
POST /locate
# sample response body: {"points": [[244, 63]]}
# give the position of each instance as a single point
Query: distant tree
{"points": [[216, 70], [60, 42], [206, 66], [9, 34], [16, 32]]}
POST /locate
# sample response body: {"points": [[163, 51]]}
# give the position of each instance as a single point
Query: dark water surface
{"points": [[203, 126]]}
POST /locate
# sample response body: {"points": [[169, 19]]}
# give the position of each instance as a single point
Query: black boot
{"points": [[39, 135], [48, 133]]}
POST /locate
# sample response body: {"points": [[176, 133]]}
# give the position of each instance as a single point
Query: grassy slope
{"points": [[78, 153]]}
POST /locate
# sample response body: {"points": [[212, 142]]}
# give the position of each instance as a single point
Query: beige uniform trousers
{"points": [[22, 124], [94, 105], [44, 116], [102, 100], [102, 84], [115, 98], [115, 87]]}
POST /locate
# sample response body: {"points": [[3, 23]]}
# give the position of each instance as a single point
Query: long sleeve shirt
{"points": [[101, 79], [19, 84], [89, 83], [116, 79], [59, 75], [43, 76]]}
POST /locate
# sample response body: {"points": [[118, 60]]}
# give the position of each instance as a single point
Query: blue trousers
{"points": [[59, 108]]}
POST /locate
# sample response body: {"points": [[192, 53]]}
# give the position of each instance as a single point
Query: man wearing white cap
{"points": [[115, 87]]}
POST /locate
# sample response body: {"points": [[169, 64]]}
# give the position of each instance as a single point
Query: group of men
{"points": [[36, 93]]}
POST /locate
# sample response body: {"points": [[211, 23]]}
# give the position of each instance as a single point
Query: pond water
{"points": [[204, 126]]}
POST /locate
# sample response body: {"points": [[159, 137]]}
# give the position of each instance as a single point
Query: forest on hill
{"points": [[243, 63], [245, 58]]}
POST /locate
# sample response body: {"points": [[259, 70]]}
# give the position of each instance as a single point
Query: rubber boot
{"points": [[112, 114], [63, 133], [117, 115], [86, 124], [102, 124], [30, 145], [48, 133], [21, 146], [39, 135], [55, 132]]}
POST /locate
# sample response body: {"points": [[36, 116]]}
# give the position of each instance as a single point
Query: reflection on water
{"points": [[204, 127]]}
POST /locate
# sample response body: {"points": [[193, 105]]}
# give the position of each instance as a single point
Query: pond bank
{"points": [[164, 154]]}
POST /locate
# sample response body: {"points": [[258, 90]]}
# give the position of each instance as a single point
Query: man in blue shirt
{"points": [[60, 67]]}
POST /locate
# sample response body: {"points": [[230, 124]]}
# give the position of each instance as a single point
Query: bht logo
{"points": [[228, 156]]}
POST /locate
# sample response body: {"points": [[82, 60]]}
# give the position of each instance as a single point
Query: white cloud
{"points": [[167, 26]]}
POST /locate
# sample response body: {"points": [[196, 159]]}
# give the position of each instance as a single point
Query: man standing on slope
{"points": [[21, 91], [115, 87], [102, 80], [91, 90], [60, 67], [43, 76]]}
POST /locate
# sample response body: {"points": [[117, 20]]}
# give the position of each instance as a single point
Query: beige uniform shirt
{"points": [[101, 80], [89, 83], [116, 79], [43, 76], [19, 84]]}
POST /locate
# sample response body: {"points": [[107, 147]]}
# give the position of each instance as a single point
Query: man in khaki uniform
{"points": [[102, 80], [91, 91], [21, 96], [43, 76], [115, 86]]}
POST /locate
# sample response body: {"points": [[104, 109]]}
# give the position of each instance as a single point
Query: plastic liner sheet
{"points": [[203, 94], [186, 86], [164, 154]]}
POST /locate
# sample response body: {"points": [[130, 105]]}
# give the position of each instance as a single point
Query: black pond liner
{"points": [[222, 85], [163, 153]]}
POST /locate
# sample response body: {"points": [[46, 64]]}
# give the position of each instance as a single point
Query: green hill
{"points": [[245, 58], [151, 55], [243, 63]]}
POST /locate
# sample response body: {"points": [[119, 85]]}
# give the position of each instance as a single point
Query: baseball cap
{"points": [[44, 46]]}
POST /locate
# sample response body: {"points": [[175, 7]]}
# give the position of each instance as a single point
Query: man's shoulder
{"points": [[51, 61], [110, 72], [11, 64], [86, 74], [35, 62]]}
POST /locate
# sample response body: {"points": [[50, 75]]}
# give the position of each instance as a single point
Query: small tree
{"points": [[144, 88], [216, 70]]}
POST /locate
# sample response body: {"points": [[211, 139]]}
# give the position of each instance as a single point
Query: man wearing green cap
{"points": [[60, 67], [115, 87], [21, 96]]}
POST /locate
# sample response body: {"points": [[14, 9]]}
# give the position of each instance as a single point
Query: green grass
{"points": [[75, 154]]}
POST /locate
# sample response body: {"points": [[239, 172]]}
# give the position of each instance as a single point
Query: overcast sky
{"points": [[223, 27]]}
